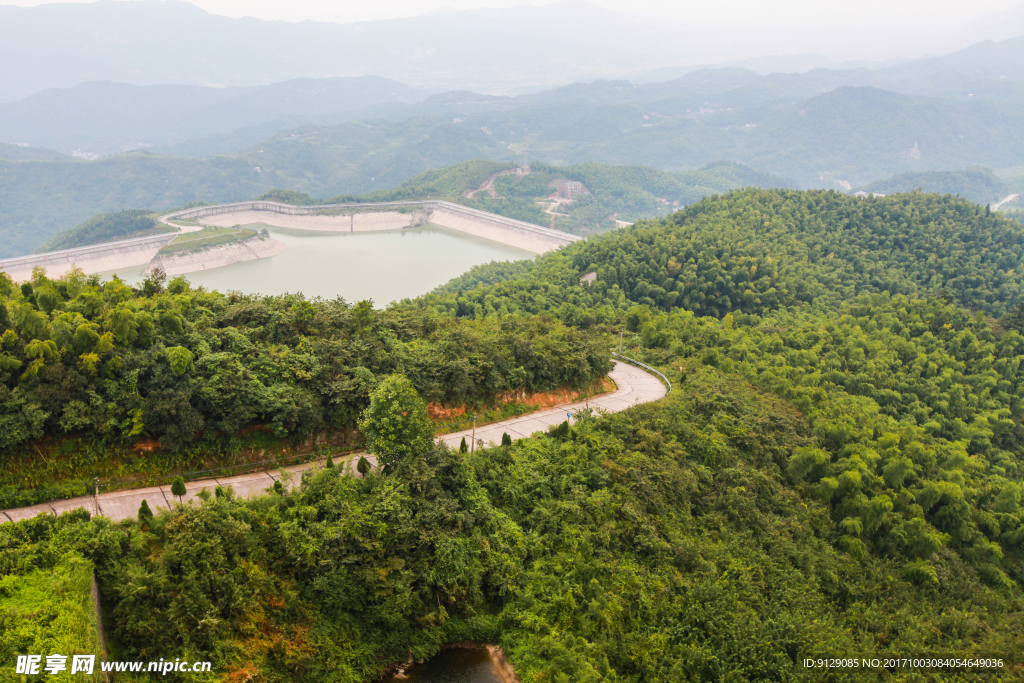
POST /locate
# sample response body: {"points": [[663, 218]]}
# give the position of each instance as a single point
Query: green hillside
{"points": [[106, 227], [755, 251], [626, 193], [837, 472]]}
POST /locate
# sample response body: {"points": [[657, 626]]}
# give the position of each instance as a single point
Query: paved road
{"points": [[633, 386]]}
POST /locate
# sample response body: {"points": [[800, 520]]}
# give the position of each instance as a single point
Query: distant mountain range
{"points": [[844, 125], [102, 117], [977, 184]]}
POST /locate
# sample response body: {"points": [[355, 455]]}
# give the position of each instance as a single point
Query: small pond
{"points": [[458, 665]]}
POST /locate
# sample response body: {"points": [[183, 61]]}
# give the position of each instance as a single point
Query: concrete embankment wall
{"points": [[367, 221], [378, 217], [250, 249], [496, 228], [93, 259]]}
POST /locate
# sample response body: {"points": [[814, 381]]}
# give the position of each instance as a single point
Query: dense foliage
{"points": [[106, 227], [917, 409], [395, 424], [758, 250], [46, 594], [185, 366]]}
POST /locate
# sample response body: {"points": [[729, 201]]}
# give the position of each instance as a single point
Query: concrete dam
{"points": [[331, 218], [382, 216]]}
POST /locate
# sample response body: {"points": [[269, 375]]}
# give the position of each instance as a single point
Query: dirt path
{"points": [[488, 185], [1007, 200], [633, 386]]}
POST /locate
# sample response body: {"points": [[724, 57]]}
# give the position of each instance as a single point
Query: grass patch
{"points": [[204, 239], [48, 611]]}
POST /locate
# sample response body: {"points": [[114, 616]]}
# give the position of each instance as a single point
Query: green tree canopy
{"points": [[395, 424]]}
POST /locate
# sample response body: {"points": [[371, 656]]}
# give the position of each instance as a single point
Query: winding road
{"points": [[633, 386]]}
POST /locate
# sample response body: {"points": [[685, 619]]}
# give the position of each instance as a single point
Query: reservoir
{"points": [[384, 266]]}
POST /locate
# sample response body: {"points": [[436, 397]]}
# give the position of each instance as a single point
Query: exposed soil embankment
{"points": [[543, 399], [255, 247]]}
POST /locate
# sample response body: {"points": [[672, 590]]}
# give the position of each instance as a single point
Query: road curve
{"points": [[633, 386]]}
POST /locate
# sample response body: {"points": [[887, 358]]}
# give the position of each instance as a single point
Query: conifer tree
{"points": [[178, 488], [145, 514]]}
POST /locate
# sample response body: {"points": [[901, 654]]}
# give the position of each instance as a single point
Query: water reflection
{"points": [[383, 266], [457, 665]]}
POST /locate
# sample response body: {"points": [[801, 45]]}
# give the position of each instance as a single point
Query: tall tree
{"points": [[395, 424]]}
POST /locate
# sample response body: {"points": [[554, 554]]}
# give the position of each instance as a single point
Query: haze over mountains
{"points": [[515, 50], [62, 45], [103, 117]]}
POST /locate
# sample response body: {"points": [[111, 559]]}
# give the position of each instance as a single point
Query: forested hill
{"points": [[106, 227], [754, 251]]}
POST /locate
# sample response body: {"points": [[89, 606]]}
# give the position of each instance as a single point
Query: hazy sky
{"points": [[836, 13]]}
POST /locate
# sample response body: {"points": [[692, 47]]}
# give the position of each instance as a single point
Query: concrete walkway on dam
{"points": [[633, 386]]}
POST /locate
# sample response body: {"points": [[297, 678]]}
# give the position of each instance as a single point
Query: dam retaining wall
{"points": [[447, 214], [92, 259]]}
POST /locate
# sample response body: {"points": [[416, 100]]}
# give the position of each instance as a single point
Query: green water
{"points": [[384, 266], [454, 666]]}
